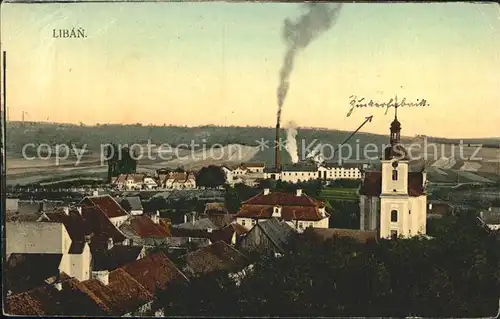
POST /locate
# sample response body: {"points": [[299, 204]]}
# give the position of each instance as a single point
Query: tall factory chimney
{"points": [[277, 151]]}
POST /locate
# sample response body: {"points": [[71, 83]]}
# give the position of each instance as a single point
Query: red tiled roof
{"points": [[219, 256], [287, 212], [372, 184], [283, 199], [122, 295], [144, 227], [154, 271], [73, 299], [226, 234], [215, 209], [106, 204], [324, 234]]}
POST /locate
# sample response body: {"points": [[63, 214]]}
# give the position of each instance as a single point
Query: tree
{"points": [[211, 176]]}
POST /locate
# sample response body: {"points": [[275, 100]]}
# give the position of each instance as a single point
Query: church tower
{"points": [[395, 213]]}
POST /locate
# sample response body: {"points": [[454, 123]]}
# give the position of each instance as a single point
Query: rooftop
{"points": [[324, 234], [122, 295], [154, 272], [106, 204], [219, 256]]}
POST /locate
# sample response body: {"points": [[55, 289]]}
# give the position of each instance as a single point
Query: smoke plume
{"points": [[318, 18], [291, 142]]}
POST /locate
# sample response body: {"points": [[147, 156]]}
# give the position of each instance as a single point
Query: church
{"points": [[393, 200]]}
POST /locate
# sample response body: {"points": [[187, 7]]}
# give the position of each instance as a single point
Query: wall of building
{"points": [[37, 238], [118, 221], [333, 173], [295, 177], [399, 186], [77, 265]]}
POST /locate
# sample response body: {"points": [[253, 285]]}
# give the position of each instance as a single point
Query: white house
{"points": [[333, 171], [299, 173], [240, 170], [228, 172], [298, 210], [128, 181], [179, 181], [36, 237], [393, 200], [149, 183], [254, 167]]}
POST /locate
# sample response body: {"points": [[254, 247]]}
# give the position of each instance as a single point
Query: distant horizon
{"points": [[219, 62]]}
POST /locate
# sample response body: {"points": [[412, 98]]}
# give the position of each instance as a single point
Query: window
{"points": [[394, 175], [394, 216], [242, 222], [253, 222], [301, 226], [394, 234]]}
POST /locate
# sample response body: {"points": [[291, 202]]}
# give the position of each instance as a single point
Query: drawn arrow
{"points": [[367, 119]]}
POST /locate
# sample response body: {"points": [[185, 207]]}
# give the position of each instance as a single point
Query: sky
{"points": [[218, 63]]}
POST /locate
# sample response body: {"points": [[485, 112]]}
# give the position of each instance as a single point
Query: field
{"points": [[339, 194], [240, 144]]}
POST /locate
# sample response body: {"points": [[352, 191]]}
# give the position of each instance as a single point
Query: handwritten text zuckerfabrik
{"points": [[69, 33], [355, 102]]}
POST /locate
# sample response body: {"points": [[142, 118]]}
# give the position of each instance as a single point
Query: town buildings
{"points": [[298, 210], [393, 200]]}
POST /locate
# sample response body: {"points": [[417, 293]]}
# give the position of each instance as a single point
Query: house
{"points": [[272, 173], [393, 200], [217, 213], [254, 167], [116, 257], [146, 230], [333, 171], [119, 292], [299, 173], [240, 170], [323, 234], [67, 297], [176, 180], [132, 205], [217, 257], [439, 209], [109, 207], [268, 237], [52, 240], [228, 172], [230, 234], [155, 272], [128, 181], [491, 218], [149, 183], [88, 223], [298, 210], [200, 224]]}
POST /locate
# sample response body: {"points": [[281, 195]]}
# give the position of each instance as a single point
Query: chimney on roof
{"points": [[57, 285], [110, 243], [266, 191], [102, 276], [57, 282], [156, 217], [299, 192]]}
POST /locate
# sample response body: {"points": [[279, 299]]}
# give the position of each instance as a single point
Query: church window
{"points": [[395, 175], [394, 216]]}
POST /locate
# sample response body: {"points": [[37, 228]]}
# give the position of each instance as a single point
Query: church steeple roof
{"points": [[395, 150]]}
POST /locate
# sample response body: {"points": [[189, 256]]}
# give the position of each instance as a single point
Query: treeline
{"points": [[456, 274], [20, 134]]}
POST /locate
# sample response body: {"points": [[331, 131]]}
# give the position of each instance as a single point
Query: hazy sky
{"points": [[218, 63]]}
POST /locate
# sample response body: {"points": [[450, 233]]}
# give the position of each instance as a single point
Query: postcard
{"points": [[250, 159]]}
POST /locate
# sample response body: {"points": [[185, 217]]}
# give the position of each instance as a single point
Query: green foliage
{"points": [[211, 176], [120, 160]]}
